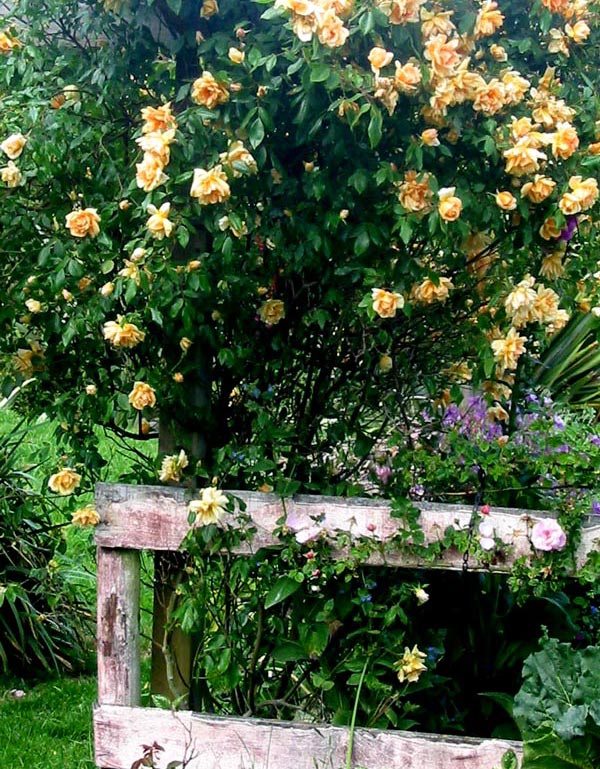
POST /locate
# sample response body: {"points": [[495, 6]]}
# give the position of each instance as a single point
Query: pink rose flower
{"points": [[548, 535]]}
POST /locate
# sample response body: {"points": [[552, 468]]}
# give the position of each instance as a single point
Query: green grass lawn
{"points": [[50, 727]]}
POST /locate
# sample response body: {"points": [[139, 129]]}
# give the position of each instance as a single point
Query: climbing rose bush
{"points": [[268, 227]]}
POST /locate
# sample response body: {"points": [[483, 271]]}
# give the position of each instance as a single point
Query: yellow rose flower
{"points": [[549, 229], [91, 390], [506, 201], [331, 30], [33, 305], [185, 343], [11, 175], [149, 173], [209, 8], [210, 508], [552, 266], [271, 312], [488, 20], [211, 186], [172, 467], [429, 291], [236, 56], [64, 482], [237, 153], [122, 334], [158, 119], [386, 303], [83, 223], [142, 396], [13, 146], [8, 43], [379, 58], [208, 92], [578, 32], [569, 204], [429, 137], [159, 223], [539, 189], [407, 77], [410, 666], [565, 141], [449, 206], [523, 158], [584, 190], [442, 53], [508, 350], [414, 195], [85, 516], [498, 53]]}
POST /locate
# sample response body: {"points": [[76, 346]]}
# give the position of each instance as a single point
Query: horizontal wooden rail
{"points": [[212, 742], [156, 518]]}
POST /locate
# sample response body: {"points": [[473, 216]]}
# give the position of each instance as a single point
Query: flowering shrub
{"points": [[285, 219]]}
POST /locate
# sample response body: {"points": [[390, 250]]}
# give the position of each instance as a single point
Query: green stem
{"points": [[353, 721]]}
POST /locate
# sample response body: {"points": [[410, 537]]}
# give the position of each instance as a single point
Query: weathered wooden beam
{"points": [[118, 626], [212, 742], [155, 518]]}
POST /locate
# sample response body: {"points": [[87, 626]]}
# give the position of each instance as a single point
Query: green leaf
{"points": [[375, 129], [256, 133], [289, 651], [362, 243], [282, 589], [319, 72]]}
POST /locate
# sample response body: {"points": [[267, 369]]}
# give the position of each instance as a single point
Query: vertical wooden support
{"points": [[118, 627]]}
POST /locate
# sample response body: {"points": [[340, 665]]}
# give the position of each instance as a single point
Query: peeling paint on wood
{"points": [[211, 742], [118, 626], [156, 518]]}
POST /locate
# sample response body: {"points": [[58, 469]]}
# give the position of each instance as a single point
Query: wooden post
{"points": [[118, 627]]}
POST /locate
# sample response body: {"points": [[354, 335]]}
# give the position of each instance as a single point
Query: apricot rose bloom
{"points": [[142, 396], [414, 195], [85, 516], [407, 77], [149, 173], [11, 175], [379, 58], [489, 19], [565, 141], [429, 291], [158, 119], [507, 351], [13, 146], [271, 312], [442, 54], [208, 92], [159, 223], [64, 482], [386, 303], [539, 189], [210, 508], [211, 186], [449, 206], [83, 223], [237, 153], [506, 200], [122, 334]]}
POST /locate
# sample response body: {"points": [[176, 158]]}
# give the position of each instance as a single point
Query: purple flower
{"points": [[562, 449], [595, 439], [531, 398], [595, 507], [559, 422], [417, 491], [383, 472], [567, 232]]}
